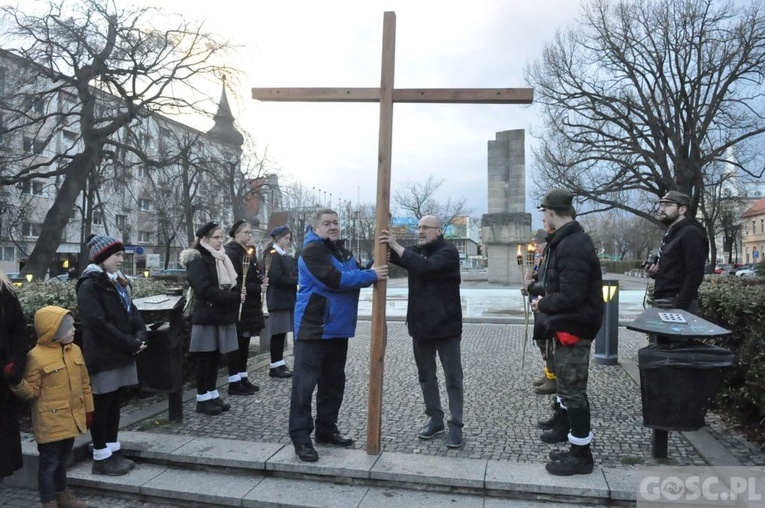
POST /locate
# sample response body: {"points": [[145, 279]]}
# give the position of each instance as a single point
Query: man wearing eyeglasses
{"points": [[679, 268], [434, 319]]}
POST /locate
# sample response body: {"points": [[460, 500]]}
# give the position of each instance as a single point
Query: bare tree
{"points": [[644, 96], [620, 235], [98, 69], [419, 198]]}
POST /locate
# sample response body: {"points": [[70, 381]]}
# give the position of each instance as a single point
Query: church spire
{"points": [[224, 129]]}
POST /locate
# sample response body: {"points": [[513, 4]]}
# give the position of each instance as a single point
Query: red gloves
{"points": [[89, 419], [12, 374], [566, 338]]}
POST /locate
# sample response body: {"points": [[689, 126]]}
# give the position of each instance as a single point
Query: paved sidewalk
{"points": [[500, 407], [500, 413]]}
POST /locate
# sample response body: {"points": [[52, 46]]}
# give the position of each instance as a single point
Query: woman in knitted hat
{"points": [[282, 288], [213, 279], [251, 321], [113, 332]]}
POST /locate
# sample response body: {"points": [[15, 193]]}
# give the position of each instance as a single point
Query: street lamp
{"points": [[607, 340], [30, 276], [146, 273]]}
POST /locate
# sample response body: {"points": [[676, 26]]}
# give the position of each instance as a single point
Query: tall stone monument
{"points": [[507, 225]]}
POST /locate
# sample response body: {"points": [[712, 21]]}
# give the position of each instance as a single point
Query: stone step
{"points": [[224, 472]]}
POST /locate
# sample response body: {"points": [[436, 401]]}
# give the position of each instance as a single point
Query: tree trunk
{"points": [[57, 217]]}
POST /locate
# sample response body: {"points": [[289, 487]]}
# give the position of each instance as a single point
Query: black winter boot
{"points": [[577, 461], [558, 432], [558, 414]]}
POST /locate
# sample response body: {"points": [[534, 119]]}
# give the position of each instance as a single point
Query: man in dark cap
{"points": [[678, 270], [572, 305]]}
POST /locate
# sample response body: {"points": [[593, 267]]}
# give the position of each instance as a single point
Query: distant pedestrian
{"points": [[678, 270], [14, 344], [113, 332], [56, 381], [325, 317], [281, 271], [213, 279], [434, 318], [573, 306], [251, 322]]}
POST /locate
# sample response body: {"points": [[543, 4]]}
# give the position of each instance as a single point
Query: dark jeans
{"points": [[51, 475], [317, 363], [237, 360], [448, 350], [106, 418]]}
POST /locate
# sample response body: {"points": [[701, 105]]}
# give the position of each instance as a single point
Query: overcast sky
{"points": [[331, 43]]}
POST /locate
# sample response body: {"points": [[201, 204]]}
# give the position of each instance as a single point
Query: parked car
{"points": [[59, 278], [177, 272], [746, 272], [723, 269]]}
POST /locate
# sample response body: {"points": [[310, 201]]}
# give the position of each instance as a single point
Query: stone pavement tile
{"points": [[226, 452], [534, 479], [622, 483], [423, 469], [80, 474], [378, 497], [282, 492], [219, 489], [152, 446], [333, 461]]}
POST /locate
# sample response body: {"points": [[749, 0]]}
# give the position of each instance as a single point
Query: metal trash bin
{"points": [[678, 384], [160, 365], [679, 375]]}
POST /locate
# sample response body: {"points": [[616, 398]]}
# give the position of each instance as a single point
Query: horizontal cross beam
{"points": [[421, 95]]}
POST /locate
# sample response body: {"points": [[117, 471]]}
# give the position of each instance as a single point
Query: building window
{"points": [[8, 253], [143, 172], [34, 104], [98, 219], [31, 229], [762, 225], [144, 237], [32, 188], [120, 221], [144, 204], [32, 145]]}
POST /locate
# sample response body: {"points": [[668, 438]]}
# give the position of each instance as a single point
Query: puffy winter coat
{"points": [[570, 272], [282, 282], [328, 298], [56, 381], [212, 305], [434, 310], [252, 309], [14, 344], [111, 331]]}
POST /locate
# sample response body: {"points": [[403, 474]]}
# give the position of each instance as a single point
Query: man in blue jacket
{"points": [[325, 317], [434, 318]]}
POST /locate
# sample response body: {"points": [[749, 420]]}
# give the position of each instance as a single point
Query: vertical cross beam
{"points": [[386, 95]]}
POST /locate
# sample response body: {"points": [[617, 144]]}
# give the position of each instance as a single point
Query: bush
{"points": [[36, 295], [739, 306]]}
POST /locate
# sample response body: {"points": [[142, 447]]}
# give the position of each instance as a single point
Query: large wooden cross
{"points": [[386, 95]]}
